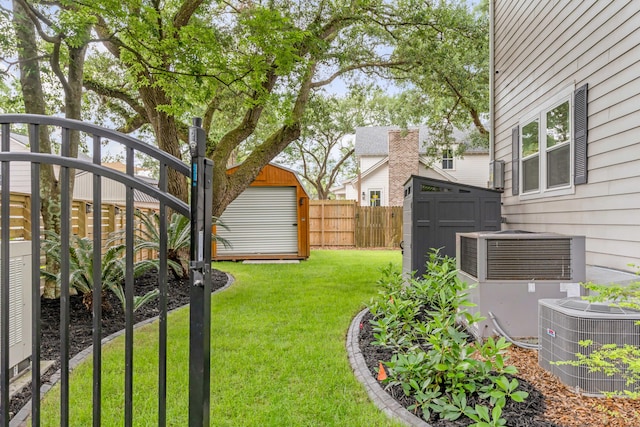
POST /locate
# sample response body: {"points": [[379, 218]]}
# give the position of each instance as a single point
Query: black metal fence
{"points": [[199, 176]]}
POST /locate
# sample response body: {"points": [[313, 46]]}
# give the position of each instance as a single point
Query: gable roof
{"points": [[433, 166], [374, 140]]}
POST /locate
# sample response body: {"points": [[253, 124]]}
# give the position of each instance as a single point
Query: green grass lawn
{"points": [[277, 351]]}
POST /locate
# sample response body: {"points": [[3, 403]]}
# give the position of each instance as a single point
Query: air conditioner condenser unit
{"points": [[509, 271], [563, 323], [19, 304]]}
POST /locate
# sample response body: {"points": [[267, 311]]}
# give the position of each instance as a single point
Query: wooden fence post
{"points": [[81, 208], [26, 218], [322, 225]]}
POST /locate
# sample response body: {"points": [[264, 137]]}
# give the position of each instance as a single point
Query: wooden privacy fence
{"points": [[342, 223], [113, 219]]}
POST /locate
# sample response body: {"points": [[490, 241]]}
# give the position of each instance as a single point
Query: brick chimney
{"points": [[403, 162]]}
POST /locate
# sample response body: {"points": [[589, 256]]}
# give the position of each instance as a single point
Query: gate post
{"points": [[200, 278]]}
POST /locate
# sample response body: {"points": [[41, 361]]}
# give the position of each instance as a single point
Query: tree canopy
{"points": [[324, 153], [249, 67]]}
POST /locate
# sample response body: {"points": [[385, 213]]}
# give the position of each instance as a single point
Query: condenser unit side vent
{"points": [[15, 300], [469, 255], [529, 259], [19, 302], [560, 331]]}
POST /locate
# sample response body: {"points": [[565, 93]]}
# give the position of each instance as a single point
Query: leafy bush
{"points": [[81, 269], [435, 359], [612, 359]]}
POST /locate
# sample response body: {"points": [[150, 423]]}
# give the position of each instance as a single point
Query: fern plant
{"points": [[178, 239], [81, 269]]}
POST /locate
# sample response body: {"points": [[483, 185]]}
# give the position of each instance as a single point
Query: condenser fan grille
{"points": [[529, 259]]}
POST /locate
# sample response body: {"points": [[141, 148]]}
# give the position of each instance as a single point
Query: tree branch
{"points": [[109, 92], [185, 12], [37, 18], [472, 112], [133, 123], [109, 41], [357, 67], [250, 120], [54, 60], [338, 166]]}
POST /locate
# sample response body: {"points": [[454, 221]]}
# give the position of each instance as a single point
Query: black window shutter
{"points": [[580, 135], [515, 161]]}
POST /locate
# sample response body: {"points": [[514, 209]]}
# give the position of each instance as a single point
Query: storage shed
{"points": [[269, 220], [434, 211]]}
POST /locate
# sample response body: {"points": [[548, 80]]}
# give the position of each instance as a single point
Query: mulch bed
{"points": [[550, 403], [526, 414], [80, 322]]}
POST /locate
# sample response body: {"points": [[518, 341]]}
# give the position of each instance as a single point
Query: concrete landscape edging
{"points": [[380, 398]]}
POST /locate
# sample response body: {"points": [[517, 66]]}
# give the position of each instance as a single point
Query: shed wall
{"points": [[276, 176]]}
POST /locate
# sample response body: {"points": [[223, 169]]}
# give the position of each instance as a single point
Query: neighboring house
{"points": [[20, 181], [387, 156], [566, 121], [112, 192]]}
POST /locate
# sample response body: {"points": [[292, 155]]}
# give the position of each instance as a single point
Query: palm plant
{"points": [[81, 269], [178, 239]]}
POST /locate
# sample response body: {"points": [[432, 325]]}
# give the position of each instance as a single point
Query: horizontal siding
{"points": [[542, 47], [367, 162], [20, 177], [377, 180], [472, 169]]}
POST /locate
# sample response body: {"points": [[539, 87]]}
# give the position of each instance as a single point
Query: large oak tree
{"points": [[249, 67]]}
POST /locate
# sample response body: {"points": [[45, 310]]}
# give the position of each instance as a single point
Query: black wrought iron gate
{"points": [[199, 211]]}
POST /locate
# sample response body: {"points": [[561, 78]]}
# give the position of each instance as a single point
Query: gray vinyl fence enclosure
{"points": [[434, 211], [199, 212]]}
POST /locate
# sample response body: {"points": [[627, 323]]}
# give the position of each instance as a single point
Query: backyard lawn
{"points": [[277, 350]]}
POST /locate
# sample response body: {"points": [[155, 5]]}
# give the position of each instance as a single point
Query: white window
{"points": [[375, 197], [545, 149], [447, 159]]}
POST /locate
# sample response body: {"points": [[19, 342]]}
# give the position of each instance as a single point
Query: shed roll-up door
{"points": [[261, 220]]}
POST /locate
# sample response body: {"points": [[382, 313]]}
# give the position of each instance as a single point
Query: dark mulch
{"points": [[80, 320], [529, 413]]}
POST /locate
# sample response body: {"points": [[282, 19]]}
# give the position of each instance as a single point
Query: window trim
{"points": [[540, 114], [452, 159], [369, 191]]}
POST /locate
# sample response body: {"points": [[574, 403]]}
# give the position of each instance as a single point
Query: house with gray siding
{"points": [[565, 111]]}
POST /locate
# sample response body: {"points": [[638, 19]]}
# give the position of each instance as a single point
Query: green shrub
{"points": [[435, 360]]}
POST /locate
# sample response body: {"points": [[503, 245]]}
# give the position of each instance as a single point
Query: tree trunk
{"points": [[34, 103], [166, 131]]}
